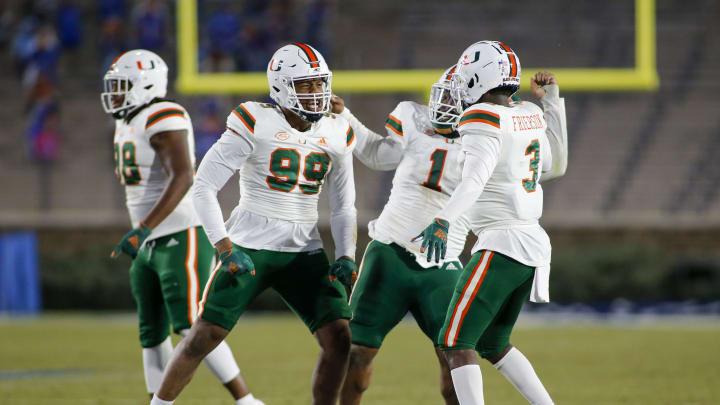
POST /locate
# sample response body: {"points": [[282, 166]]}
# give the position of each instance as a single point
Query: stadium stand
{"points": [[636, 158]]}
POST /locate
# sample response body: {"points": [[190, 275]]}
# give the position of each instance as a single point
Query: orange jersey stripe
{"points": [[247, 112], [394, 130], [481, 112], [479, 120], [237, 114]]}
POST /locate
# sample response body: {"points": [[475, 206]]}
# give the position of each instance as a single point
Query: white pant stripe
{"points": [[465, 299]]}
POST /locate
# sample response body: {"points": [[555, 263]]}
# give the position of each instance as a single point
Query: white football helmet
{"points": [[443, 108], [484, 66], [134, 79], [294, 63]]}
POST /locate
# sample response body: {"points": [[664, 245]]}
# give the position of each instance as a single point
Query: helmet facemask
{"points": [[116, 97], [310, 106], [444, 110]]}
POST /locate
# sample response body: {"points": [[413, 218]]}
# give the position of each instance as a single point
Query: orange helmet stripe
{"points": [[450, 73], [314, 62], [511, 57]]}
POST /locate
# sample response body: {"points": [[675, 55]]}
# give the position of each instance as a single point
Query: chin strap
{"points": [[310, 117]]}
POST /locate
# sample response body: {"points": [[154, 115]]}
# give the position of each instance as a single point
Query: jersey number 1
{"points": [[285, 167], [436, 170]]}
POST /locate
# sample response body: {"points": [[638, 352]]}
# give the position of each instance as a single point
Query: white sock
{"points": [[154, 361], [157, 401], [248, 399], [518, 370], [468, 384], [220, 361]]}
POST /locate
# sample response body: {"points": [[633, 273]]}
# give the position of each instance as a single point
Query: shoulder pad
{"points": [[394, 121], [242, 117], [483, 113], [157, 112]]}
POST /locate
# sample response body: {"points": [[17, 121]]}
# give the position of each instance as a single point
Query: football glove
{"points": [[236, 262], [344, 270], [132, 241], [434, 239]]}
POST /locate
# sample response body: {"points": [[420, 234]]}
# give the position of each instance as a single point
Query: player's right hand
{"points": [[434, 239], [539, 80], [337, 104], [131, 242], [236, 262], [343, 269]]}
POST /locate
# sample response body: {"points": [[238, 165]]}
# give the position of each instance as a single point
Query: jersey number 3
{"points": [[529, 184], [126, 168], [285, 167]]}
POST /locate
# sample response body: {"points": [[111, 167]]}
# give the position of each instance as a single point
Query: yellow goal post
{"points": [[642, 77]]}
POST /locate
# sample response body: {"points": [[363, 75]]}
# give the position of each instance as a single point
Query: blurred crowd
{"points": [[46, 38], [242, 36]]}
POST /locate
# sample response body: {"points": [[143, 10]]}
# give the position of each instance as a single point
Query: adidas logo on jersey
{"points": [[172, 242], [322, 141]]}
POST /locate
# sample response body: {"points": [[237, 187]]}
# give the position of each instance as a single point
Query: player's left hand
{"points": [[337, 104], [132, 241], [434, 239], [343, 269], [539, 80]]}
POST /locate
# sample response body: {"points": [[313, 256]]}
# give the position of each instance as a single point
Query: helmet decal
{"points": [[152, 65], [312, 58]]}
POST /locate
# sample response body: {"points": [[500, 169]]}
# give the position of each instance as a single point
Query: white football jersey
{"points": [[505, 216], [426, 176], [286, 162], [142, 173]]}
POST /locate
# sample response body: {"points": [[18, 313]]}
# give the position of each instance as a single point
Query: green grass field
{"points": [[95, 359]]}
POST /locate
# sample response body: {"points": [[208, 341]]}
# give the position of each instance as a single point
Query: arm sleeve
{"points": [[555, 165], [226, 156], [343, 222], [482, 152], [375, 151]]}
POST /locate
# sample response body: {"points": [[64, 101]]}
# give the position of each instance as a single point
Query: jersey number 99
{"points": [[285, 168]]}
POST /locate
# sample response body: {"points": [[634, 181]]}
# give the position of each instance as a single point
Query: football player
{"points": [[285, 152], [395, 276], [506, 152], [172, 256]]}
